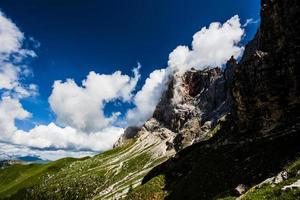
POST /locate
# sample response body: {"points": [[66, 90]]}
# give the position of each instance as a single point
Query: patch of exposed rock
{"points": [[188, 109]]}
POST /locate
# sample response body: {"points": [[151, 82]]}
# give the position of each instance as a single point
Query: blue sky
{"points": [[78, 36]]}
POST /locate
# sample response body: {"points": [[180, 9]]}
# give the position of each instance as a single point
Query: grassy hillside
{"points": [[20, 176], [107, 175]]}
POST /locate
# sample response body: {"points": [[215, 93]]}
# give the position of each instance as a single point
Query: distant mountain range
{"points": [[8, 160]]}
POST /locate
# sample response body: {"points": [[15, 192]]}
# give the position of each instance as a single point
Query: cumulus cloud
{"points": [[82, 106], [11, 37], [10, 110], [147, 98], [79, 108], [211, 47], [11, 56], [53, 136]]}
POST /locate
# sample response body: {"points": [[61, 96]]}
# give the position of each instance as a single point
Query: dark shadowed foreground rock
{"points": [[267, 83]]}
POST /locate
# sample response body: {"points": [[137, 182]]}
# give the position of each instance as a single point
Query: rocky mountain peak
{"points": [[190, 107], [186, 95]]}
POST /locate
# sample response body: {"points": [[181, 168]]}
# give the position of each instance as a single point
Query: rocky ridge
{"points": [[188, 110]]}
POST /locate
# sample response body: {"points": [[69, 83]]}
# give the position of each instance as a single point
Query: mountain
{"points": [[9, 160], [214, 134], [32, 159], [260, 139], [190, 108]]}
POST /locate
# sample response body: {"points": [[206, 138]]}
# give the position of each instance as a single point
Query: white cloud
{"points": [[11, 37], [211, 46], [11, 71], [79, 108], [250, 21], [11, 56], [52, 136], [11, 40], [147, 98], [10, 110], [9, 76], [82, 107]]}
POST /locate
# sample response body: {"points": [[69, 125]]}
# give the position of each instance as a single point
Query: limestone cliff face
{"points": [[189, 109], [193, 104]]}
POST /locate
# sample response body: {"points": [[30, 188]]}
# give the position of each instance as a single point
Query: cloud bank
{"points": [[211, 47], [68, 138]]}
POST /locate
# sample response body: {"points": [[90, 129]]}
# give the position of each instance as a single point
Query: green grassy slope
{"points": [[154, 189], [19, 176], [104, 176]]}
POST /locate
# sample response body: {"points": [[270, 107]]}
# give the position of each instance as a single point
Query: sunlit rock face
{"points": [[188, 109], [192, 105]]}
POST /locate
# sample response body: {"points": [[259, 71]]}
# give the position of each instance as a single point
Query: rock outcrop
{"points": [[193, 104], [189, 109]]}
